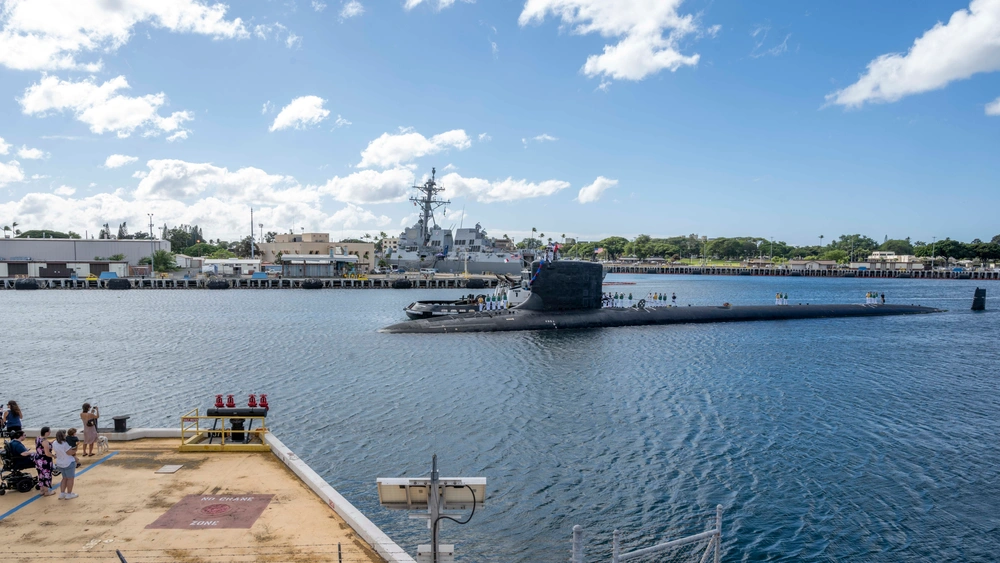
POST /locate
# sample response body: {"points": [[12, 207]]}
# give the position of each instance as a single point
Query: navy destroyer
{"points": [[427, 246], [568, 294]]}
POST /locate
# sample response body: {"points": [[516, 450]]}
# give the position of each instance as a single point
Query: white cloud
{"points": [[449, 166], [39, 176], [277, 30], [394, 150], [714, 30], [4, 146], [267, 108], [545, 137], [64, 191], [180, 135], [31, 154], [759, 34], [52, 35], [293, 41], [352, 9], [485, 138], [301, 113], [140, 174], [648, 33], [441, 4], [341, 122], [318, 6], [179, 192], [593, 192], [370, 186], [10, 172], [119, 160], [968, 44], [993, 108], [101, 106], [500, 190]]}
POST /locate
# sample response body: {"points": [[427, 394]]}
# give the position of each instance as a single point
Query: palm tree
{"points": [[821, 241], [563, 237], [13, 227], [6, 229]]}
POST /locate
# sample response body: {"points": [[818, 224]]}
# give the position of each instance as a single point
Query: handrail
{"points": [[191, 426]]}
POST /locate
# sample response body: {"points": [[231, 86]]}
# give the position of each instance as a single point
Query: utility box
{"points": [[446, 553]]}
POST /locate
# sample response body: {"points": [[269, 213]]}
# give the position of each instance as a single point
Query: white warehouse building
{"points": [[77, 250]]}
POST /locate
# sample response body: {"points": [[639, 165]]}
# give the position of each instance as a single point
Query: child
{"points": [[72, 440]]}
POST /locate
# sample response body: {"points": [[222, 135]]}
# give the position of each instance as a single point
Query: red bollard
{"points": [[230, 403], [218, 401], [263, 401], [252, 403]]}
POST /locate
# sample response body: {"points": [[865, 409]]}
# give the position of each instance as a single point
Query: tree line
{"points": [[846, 248]]}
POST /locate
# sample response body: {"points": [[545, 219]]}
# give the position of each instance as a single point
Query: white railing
{"points": [[712, 552]]}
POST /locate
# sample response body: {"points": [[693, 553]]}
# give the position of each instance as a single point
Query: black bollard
{"points": [[979, 300]]}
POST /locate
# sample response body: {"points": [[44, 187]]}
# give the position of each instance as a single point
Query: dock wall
{"points": [[245, 283]]}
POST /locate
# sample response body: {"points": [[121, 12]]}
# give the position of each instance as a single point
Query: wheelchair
{"points": [[12, 475]]}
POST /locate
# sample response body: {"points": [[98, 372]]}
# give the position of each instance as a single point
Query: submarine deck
{"points": [[522, 319]]}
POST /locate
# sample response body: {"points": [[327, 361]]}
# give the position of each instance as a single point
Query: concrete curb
{"points": [[371, 533], [132, 434]]}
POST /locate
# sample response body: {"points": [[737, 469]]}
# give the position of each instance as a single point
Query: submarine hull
{"points": [[521, 319]]}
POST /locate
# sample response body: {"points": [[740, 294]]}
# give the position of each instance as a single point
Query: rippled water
{"points": [[824, 440]]}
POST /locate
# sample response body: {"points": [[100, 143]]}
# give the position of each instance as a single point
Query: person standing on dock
{"points": [[883, 298], [777, 299], [629, 299], [673, 297], [784, 299]]}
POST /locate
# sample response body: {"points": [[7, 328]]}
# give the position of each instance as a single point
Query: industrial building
{"points": [[318, 244], [67, 250]]}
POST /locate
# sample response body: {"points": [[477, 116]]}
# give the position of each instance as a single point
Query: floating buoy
{"points": [[217, 283], [312, 284], [476, 284], [119, 283], [25, 284], [402, 284]]}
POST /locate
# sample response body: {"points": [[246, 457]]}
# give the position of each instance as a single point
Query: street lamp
{"points": [[933, 242], [152, 250]]}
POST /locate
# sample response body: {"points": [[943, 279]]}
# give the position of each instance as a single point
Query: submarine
{"points": [[568, 294]]}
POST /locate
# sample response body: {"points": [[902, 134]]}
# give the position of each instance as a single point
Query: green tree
{"points": [[841, 256], [244, 248], [613, 246], [43, 233], [163, 261], [221, 253], [899, 246], [269, 237], [200, 249]]}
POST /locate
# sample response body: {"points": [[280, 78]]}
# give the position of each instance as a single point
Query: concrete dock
{"points": [[219, 507]]}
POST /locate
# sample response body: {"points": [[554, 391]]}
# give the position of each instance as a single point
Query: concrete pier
{"points": [[374, 282], [844, 273]]}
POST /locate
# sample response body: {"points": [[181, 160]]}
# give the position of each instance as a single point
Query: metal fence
{"points": [[701, 548]]}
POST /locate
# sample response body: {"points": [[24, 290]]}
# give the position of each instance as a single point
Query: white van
{"points": [[428, 271]]}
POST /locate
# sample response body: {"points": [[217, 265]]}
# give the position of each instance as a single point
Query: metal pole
{"points": [[434, 508], [152, 252], [251, 233], [718, 532], [577, 544], [616, 547]]}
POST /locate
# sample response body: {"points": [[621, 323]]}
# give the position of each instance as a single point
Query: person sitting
{"points": [[12, 417], [22, 455]]}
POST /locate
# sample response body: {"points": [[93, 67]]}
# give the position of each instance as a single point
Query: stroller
{"points": [[12, 476]]}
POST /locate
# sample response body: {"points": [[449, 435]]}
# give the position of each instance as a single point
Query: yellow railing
{"points": [[196, 436]]}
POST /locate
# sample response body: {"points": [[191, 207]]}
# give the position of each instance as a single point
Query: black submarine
{"points": [[567, 294]]}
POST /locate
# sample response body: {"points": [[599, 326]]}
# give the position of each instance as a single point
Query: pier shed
{"points": [[316, 266], [56, 270]]}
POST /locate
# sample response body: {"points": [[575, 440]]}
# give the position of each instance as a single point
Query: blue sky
{"points": [[578, 117]]}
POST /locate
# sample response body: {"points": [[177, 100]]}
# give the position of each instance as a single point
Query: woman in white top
{"points": [[66, 463]]}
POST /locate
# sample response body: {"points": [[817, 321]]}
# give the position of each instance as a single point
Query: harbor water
{"points": [[870, 439]]}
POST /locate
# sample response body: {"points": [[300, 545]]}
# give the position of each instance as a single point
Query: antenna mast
{"points": [[428, 203]]}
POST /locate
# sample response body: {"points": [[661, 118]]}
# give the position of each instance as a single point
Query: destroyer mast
{"points": [[428, 203]]}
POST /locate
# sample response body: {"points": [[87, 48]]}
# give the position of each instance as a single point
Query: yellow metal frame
{"points": [[195, 436]]}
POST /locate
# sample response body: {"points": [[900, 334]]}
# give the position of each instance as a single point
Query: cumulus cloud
{"points": [[593, 192], [64, 191], [647, 31], [341, 122], [178, 136], [485, 138], [351, 9], [10, 172], [181, 192], [52, 35], [318, 6], [4, 146], [119, 160], [968, 44], [499, 190], [300, 113], [370, 186], [440, 4], [101, 106], [31, 154], [393, 150], [992, 108]]}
